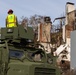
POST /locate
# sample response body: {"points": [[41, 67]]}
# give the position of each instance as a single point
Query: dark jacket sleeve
{"points": [[16, 21], [6, 21]]}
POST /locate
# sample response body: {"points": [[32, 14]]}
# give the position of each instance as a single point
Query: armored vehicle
{"points": [[20, 56]]}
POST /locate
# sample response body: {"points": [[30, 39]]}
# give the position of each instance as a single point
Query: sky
{"points": [[27, 8]]}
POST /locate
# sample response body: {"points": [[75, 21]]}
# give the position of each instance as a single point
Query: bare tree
{"points": [[35, 20], [24, 22]]}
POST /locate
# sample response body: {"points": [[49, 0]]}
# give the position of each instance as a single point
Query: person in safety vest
{"points": [[11, 19]]}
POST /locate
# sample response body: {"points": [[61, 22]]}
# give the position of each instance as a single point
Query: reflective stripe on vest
{"points": [[11, 20]]}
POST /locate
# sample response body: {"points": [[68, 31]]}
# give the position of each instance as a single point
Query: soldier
{"points": [[11, 19]]}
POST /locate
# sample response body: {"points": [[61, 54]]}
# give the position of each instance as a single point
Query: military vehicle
{"points": [[20, 56]]}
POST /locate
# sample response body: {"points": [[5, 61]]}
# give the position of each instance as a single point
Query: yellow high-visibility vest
{"points": [[11, 20]]}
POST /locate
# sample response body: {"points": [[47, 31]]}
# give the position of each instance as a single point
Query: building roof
{"points": [[70, 3]]}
